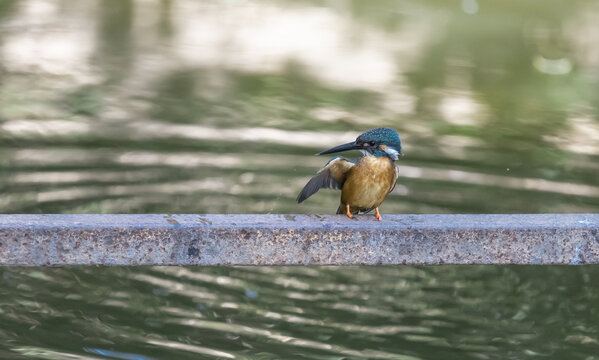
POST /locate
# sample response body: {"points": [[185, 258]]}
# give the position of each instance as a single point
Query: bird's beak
{"points": [[345, 147]]}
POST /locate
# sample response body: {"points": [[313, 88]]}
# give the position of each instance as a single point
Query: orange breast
{"points": [[368, 183]]}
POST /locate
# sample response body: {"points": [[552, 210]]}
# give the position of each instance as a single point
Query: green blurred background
{"points": [[182, 106], [218, 107]]}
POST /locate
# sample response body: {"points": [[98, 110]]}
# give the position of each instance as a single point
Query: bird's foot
{"points": [[349, 215], [377, 215]]}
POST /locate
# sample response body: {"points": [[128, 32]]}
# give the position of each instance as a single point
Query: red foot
{"points": [[349, 215], [377, 215]]}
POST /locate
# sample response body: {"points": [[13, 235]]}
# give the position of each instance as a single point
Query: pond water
{"points": [[437, 312], [184, 106]]}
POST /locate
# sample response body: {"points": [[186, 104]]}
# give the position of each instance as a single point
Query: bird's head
{"points": [[379, 142]]}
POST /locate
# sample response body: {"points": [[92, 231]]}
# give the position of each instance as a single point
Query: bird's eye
{"points": [[371, 143]]}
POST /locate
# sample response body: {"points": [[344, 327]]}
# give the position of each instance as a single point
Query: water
{"points": [[120, 106], [449, 312]]}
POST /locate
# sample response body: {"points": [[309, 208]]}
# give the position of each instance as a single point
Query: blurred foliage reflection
{"points": [[210, 107], [300, 312], [218, 107]]}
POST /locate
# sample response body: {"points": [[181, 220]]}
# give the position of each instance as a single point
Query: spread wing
{"points": [[331, 176]]}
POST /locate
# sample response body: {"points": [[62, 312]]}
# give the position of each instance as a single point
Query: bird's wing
{"points": [[396, 176], [331, 176]]}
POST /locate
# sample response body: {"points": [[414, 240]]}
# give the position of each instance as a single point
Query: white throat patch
{"points": [[393, 154]]}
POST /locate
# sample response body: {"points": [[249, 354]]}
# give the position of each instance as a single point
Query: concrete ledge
{"points": [[33, 240]]}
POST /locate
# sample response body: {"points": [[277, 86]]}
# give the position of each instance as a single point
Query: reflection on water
{"points": [[449, 312], [186, 106], [218, 107]]}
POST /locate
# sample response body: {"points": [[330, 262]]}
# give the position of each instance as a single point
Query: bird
{"points": [[364, 182]]}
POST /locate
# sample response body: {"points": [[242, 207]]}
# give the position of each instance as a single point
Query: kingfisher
{"points": [[364, 182]]}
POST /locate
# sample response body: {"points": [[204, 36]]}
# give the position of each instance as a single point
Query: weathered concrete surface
{"points": [[33, 240]]}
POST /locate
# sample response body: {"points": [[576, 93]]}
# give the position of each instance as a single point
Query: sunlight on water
{"points": [[167, 106], [184, 98]]}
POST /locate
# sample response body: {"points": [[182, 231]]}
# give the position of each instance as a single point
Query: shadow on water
{"points": [[218, 107]]}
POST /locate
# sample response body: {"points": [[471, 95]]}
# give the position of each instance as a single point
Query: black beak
{"points": [[345, 147]]}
